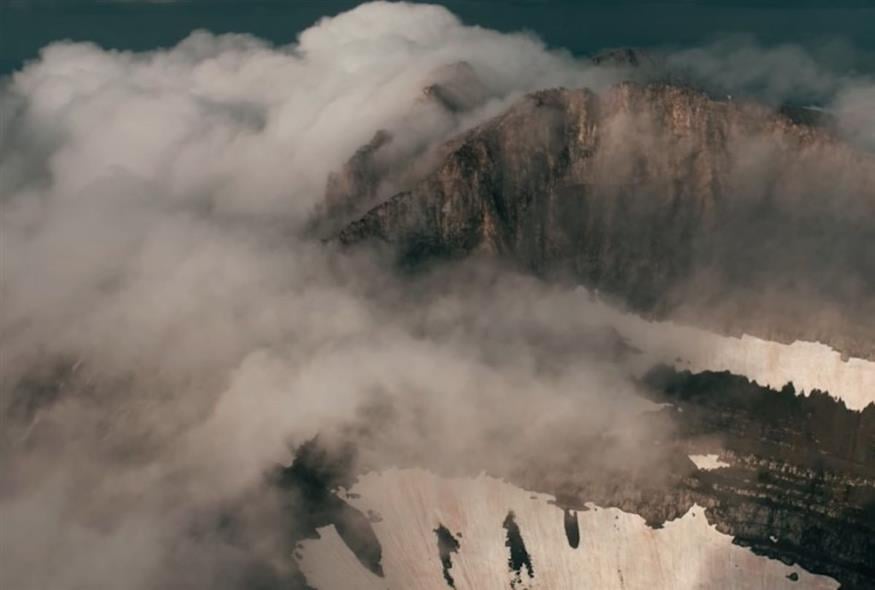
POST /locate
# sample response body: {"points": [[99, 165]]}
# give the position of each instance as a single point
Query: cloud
{"points": [[832, 76], [169, 328], [855, 109]]}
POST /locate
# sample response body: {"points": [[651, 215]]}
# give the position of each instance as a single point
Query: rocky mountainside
{"points": [[726, 214], [800, 484], [795, 481], [450, 92]]}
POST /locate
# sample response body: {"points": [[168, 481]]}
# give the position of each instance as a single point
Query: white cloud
{"points": [[152, 214], [152, 208]]}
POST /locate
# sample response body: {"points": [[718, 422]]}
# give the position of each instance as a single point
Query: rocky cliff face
{"points": [[795, 481], [727, 214], [799, 480], [381, 166]]}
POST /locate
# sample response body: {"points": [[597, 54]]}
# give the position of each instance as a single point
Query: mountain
{"points": [[449, 93], [725, 214], [795, 483]]}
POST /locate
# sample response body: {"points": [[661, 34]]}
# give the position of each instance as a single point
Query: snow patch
{"points": [[616, 549], [707, 462], [808, 365]]}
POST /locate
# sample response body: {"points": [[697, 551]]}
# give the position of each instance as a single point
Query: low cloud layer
{"points": [[168, 330]]}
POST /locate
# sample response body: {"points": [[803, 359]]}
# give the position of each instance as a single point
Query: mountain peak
{"points": [[726, 212]]}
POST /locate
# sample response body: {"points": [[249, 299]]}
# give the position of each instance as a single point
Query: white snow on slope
{"points": [[617, 550], [707, 462], [808, 365]]}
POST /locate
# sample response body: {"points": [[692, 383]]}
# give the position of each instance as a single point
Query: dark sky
{"points": [[582, 26]]}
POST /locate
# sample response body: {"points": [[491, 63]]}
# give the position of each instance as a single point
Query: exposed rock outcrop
{"points": [[356, 185], [456, 87], [621, 56], [799, 486], [382, 166], [723, 213]]}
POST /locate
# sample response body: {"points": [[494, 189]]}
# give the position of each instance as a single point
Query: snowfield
{"points": [[808, 365], [617, 550]]}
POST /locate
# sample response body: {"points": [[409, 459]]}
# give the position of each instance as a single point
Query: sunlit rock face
{"points": [[724, 214], [613, 549]]}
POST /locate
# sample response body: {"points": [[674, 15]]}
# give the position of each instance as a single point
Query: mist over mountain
{"points": [[414, 303], [723, 211]]}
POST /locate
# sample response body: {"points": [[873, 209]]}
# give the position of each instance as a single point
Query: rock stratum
{"points": [[787, 477], [724, 214]]}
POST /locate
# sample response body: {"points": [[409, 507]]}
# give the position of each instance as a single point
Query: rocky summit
{"points": [[722, 213]]}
